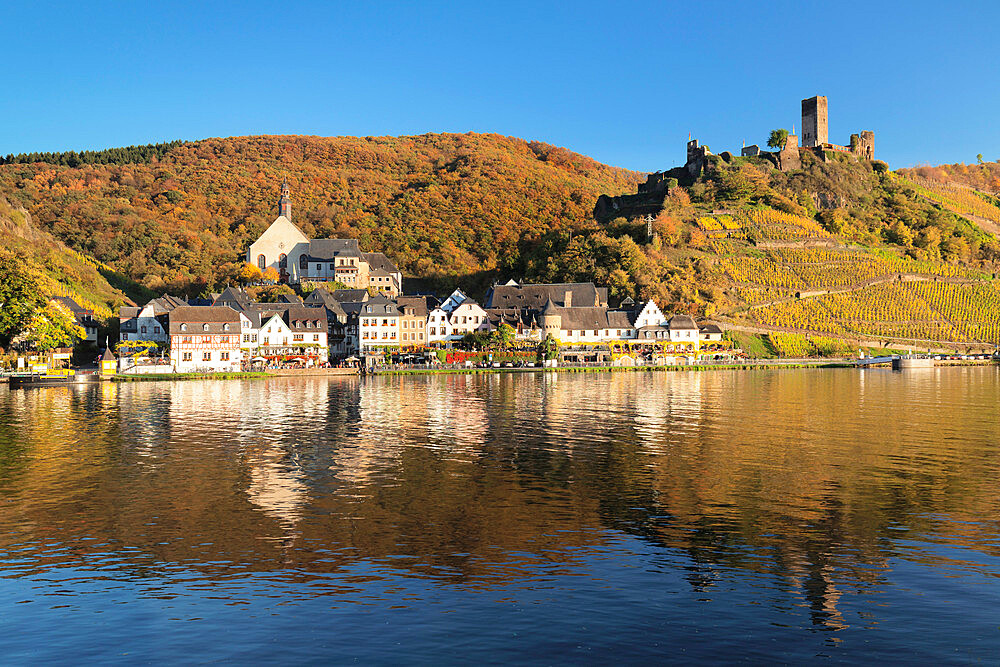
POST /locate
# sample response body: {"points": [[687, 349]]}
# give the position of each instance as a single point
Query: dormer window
{"points": [[184, 327], [204, 327], [369, 308], [225, 327]]}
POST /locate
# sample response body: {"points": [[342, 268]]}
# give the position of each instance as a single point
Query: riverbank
{"points": [[819, 363]]}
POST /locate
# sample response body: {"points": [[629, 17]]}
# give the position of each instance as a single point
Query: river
{"points": [[754, 516]]}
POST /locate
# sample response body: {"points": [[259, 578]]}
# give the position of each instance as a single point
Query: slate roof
{"points": [[327, 249], [681, 322], [233, 297], [73, 306], [418, 304], [709, 328], [322, 297], [535, 296], [214, 316], [379, 262], [350, 295], [379, 306], [306, 319], [165, 304]]}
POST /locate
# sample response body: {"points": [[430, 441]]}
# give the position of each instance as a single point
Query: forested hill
{"points": [[56, 270], [180, 216]]}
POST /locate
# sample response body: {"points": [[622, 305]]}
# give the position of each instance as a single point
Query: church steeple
{"points": [[285, 203]]}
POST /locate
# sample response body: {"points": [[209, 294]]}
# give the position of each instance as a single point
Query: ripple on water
{"points": [[537, 517]]}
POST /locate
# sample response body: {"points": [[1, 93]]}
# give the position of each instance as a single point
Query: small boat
{"points": [[31, 380]]}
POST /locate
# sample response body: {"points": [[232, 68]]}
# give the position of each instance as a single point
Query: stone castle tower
{"points": [[285, 203], [815, 118]]}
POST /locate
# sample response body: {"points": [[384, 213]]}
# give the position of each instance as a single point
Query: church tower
{"points": [[285, 203]]}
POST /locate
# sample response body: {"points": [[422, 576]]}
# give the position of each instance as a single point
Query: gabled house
{"points": [[372, 325], [413, 320], [204, 339], [84, 317]]}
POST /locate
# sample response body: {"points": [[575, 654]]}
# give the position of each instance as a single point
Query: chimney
{"points": [[568, 299]]}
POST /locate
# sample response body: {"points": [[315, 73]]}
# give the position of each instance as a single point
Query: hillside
{"points": [[59, 270], [843, 248], [839, 248], [180, 217]]}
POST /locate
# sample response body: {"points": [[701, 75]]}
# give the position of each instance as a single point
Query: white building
{"points": [[148, 322], [454, 318], [372, 325], [296, 258], [204, 339]]}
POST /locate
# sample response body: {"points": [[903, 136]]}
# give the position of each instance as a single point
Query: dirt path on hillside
{"points": [[911, 344]]}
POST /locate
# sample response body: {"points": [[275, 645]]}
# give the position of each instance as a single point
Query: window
{"points": [[297, 338], [282, 261], [186, 356], [315, 338], [385, 323], [224, 356], [433, 331], [225, 327], [368, 309], [206, 356], [246, 338], [142, 330], [223, 339], [253, 338], [185, 340], [156, 329], [261, 262], [304, 262], [184, 327], [204, 327], [332, 267]]}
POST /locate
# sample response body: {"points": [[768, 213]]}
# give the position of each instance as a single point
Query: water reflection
{"points": [[802, 491]]}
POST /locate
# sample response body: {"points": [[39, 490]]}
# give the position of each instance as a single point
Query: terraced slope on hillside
{"points": [[59, 270]]}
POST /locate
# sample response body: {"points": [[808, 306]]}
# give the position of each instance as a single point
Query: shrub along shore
{"points": [[819, 363]]}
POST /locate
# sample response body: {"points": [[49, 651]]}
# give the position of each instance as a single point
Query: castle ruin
{"points": [[650, 195]]}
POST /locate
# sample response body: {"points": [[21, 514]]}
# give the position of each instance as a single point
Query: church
{"points": [[298, 259]]}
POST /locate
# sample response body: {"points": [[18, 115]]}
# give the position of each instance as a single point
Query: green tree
{"points": [[503, 336], [979, 158], [20, 298], [51, 327], [777, 138]]}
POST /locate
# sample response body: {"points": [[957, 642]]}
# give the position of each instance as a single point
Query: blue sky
{"points": [[622, 82]]}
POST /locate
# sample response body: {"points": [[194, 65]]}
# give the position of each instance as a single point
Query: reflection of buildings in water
{"points": [[456, 412], [277, 483], [250, 412], [660, 406], [445, 413], [667, 407]]}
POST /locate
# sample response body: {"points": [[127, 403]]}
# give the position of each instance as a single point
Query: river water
{"points": [[753, 516]]}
